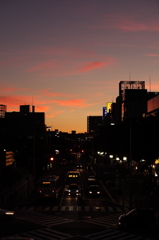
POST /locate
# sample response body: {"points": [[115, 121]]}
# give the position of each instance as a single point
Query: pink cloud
{"points": [[86, 52], [152, 55], [13, 89], [9, 61], [49, 93], [134, 26], [64, 52], [49, 65], [127, 23], [95, 65]]}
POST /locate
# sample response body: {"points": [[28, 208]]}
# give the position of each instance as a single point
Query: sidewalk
{"points": [[17, 194], [131, 195]]}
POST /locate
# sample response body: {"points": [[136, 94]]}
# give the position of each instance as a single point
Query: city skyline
{"points": [[67, 57]]}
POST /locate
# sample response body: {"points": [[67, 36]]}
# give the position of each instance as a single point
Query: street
{"points": [[68, 218]]}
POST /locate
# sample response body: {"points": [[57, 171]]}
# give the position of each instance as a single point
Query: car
{"points": [[94, 190], [6, 214], [92, 176], [92, 181], [79, 165], [143, 217], [64, 162], [73, 190], [88, 166]]}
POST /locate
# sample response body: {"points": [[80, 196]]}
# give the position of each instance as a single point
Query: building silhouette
{"points": [[23, 133]]}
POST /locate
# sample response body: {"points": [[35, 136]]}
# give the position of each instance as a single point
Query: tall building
{"points": [[23, 132], [94, 124], [132, 100], [3, 109]]}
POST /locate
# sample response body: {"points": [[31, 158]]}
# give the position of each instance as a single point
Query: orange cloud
{"points": [[8, 88], [75, 102], [72, 102], [41, 108], [15, 100], [50, 116], [13, 103], [55, 113]]}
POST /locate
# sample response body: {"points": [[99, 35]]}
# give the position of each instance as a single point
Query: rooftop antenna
{"points": [[150, 83], [129, 75], [32, 101], [33, 104]]}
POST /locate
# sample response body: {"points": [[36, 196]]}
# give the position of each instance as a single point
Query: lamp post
{"points": [[130, 170]]}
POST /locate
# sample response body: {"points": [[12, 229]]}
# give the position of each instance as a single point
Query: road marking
{"points": [[71, 208], [103, 209], [110, 209], [86, 208], [63, 208], [45, 233], [78, 208], [118, 209], [30, 209], [47, 208], [55, 208], [74, 208], [126, 209]]}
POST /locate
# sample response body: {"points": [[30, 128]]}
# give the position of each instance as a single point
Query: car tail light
{"points": [[40, 191], [52, 190]]}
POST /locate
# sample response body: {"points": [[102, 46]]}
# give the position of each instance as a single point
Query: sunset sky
{"points": [[67, 57]]}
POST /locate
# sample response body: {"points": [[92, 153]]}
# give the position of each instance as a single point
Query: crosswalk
{"points": [[114, 235], [41, 218], [47, 221], [105, 221], [50, 234], [44, 233], [74, 208]]}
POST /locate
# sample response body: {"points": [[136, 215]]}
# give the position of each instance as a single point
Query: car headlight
{"points": [[69, 190], [90, 191], [77, 190], [9, 213], [98, 192]]}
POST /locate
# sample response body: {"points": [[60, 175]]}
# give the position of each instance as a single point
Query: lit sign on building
{"points": [[104, 112], [157, 161], [109, 106], [9, 158]]}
